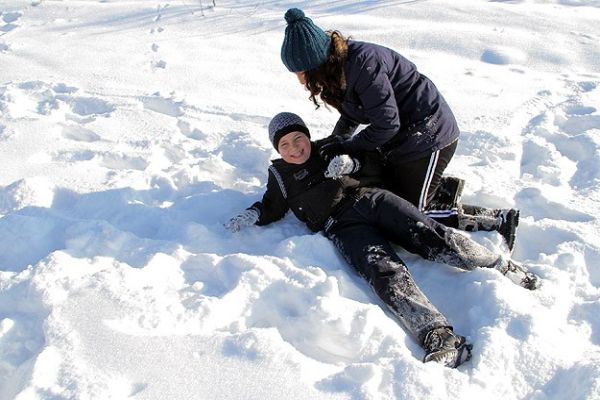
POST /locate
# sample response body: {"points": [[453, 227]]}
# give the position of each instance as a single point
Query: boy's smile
{"points": [[294, 147]]}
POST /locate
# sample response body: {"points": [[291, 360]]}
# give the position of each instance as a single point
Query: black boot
{"points": [[447, 194], [508, 226], [504, 221], [443, 346]]}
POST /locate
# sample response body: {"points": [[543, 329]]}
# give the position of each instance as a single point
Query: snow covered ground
{"points": [[130, 130]]}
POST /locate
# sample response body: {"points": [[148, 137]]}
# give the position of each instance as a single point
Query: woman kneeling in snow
{"points": [[360, 220]]}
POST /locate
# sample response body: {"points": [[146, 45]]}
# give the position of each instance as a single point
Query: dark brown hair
{"points": [[329, 79]]}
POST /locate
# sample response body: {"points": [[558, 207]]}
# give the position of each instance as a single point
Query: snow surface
{"points": [[130, 130]]}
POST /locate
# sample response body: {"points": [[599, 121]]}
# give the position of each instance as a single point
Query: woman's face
{"points": [[301, 77], [294, 147]]}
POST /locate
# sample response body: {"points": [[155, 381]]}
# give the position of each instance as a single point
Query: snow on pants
{"points": [[362, 234]]}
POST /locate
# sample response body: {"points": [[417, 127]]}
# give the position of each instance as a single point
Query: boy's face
{"points": [[294, 147]]}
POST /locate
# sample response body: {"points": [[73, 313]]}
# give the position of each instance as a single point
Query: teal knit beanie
{"points": [[305, 45]]}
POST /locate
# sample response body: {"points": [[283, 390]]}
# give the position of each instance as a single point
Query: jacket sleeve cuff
{"points": [[256, 207]]}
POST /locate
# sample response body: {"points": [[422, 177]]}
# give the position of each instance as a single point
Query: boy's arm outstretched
{"points": [[272, 207]]}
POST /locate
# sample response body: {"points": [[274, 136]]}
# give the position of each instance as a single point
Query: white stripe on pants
{"points": [[428, 176]]}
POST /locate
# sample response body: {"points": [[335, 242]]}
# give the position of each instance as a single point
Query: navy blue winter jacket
{"points": [[406, 115]]}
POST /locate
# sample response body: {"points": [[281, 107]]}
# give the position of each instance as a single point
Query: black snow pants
{"points": [[418, 180], [362, 234]]}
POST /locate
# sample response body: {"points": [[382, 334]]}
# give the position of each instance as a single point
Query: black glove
{"points": [[326, 140], [331, 148]]}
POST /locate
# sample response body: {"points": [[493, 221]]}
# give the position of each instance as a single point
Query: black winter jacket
{"points": [[304, 189], [403, 109]]}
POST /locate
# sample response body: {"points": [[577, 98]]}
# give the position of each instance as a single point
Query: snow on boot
{"points": [[443, 346], [520, 275], [504, 221]]}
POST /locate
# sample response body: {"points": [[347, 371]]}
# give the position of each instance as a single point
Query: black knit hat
{"points": [[284, 123], [305, 45]]}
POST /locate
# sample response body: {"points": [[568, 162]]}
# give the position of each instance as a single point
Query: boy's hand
{"points": [[246, 218], [341, 165]]}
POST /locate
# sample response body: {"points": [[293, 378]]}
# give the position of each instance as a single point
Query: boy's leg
{"points": [[365, 249], [405, 225], [417, 233]]}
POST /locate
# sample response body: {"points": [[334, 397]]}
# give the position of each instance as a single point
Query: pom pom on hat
{"points": [[293, 15], [305, 45]]}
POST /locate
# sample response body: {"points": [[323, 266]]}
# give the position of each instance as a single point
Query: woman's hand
{"points": [[331, 147]]}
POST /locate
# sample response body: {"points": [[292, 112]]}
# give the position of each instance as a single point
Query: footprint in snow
{"points": [[9, 20], [503, 56], [588, 312], [539, 206], [35, 98], [541, 239], [137, 388], [163, 105], [587, 86], [10, 17], [193, 133], [486, 146], [88, 106], [73, 156], [123, 162], [561, 145], [79, 134], [543, 162], [160, 64]]}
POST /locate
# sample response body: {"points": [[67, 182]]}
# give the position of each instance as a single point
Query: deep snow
{"points": [[131, 130]]}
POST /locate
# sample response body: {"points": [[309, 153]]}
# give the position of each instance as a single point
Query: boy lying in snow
{"points": [[360, 220]]}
